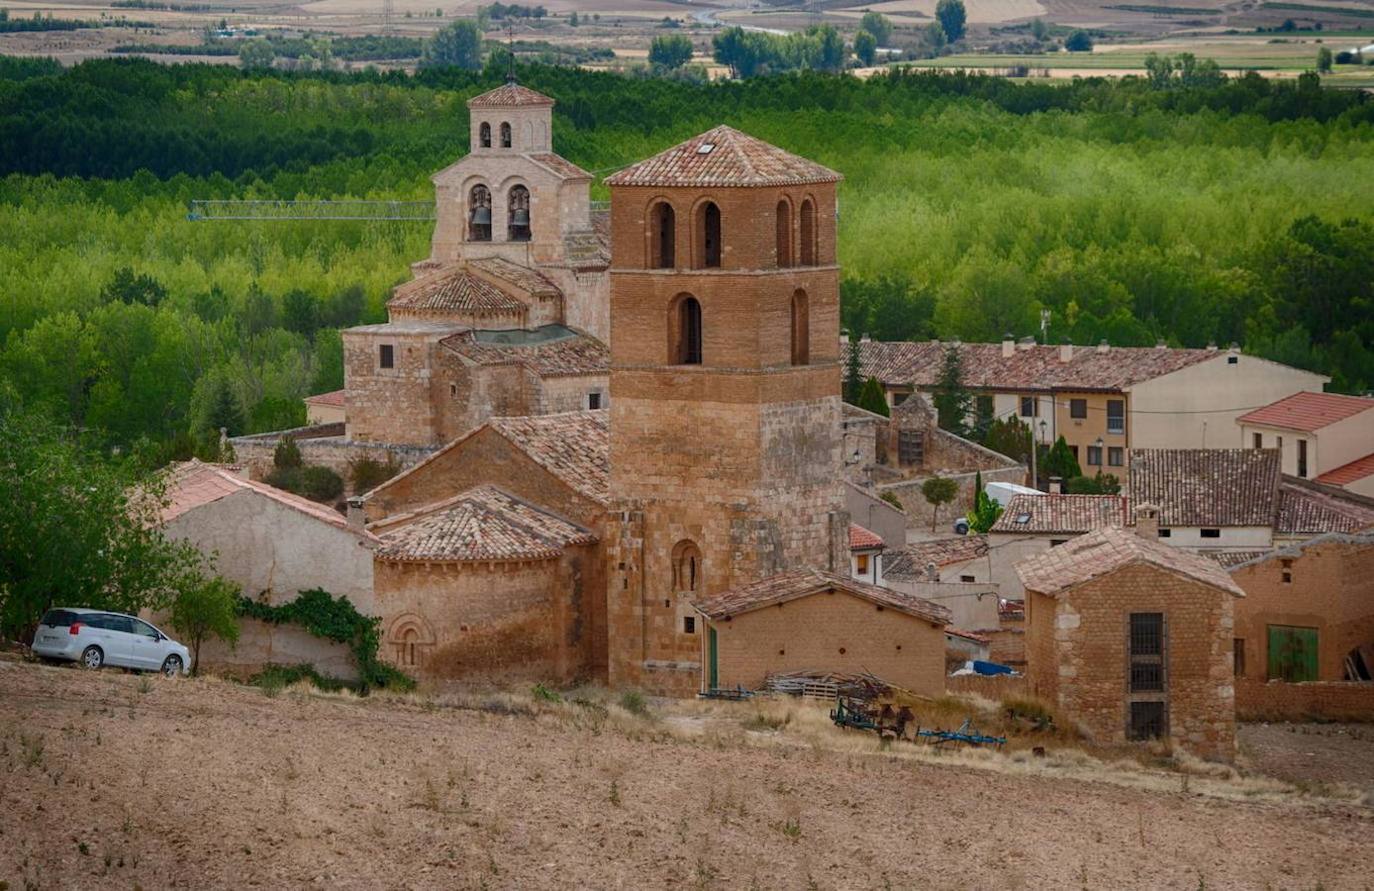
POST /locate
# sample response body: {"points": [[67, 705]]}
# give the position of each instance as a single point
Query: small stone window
{"points": [[686, 567], [808, 233], [801, 329], [1147, 652], [484, 135], [689, 624], [386, 356], [505, 135], [662, 236], [593, 401], [479, 214]]}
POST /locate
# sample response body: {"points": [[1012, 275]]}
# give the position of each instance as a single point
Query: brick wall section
{"points": [[522, 619], [832, 631], [1083, 670], [1332, 590], [1257, 700]]}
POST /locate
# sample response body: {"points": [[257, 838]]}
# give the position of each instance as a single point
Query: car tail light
{"points": [[75, 629]]}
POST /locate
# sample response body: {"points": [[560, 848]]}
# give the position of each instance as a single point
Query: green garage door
{"points": [[1292, 653]]}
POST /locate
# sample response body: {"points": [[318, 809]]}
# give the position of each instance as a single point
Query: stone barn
{"points": [[808, 619], [1130, 639]]}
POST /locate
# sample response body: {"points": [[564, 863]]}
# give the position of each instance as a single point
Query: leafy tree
{"points": [[892, 500], [129, 287], [1324, 58], [226, 414], [871, 398], [287, 454], [935, 36], [300, 312], [204, 609], [79, 530], [1060, 462], [938, 491], [256, 54], [457, 45], [953, 401], [1099, 484], [670, 51], [876, 24], [1079, 42], [368, 473], [1039, 30], [951, 15], [1011, 437], [865, 47], [573, 20], [985, 510]]}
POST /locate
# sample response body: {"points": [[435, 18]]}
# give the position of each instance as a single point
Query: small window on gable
{"points": [[967, 578], [386, 356], [593, 401], [484, 135], [1164, 533], [505, 135], [1233, 360], [1211, 533]]}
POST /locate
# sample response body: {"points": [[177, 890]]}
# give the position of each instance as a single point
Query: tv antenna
{"points": [[387, 11]]}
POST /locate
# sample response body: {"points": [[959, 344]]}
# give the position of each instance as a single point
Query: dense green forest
{"points": [[1132, 211]]}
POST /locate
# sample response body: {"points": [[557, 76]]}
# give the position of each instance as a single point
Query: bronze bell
{"points": [[520, 218], [481, 216]]}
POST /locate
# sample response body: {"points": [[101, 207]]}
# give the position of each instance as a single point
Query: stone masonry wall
{"points": [[1091, 624], [1257, 700]]}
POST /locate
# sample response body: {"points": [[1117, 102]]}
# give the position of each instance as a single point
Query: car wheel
{"points": [[92, 657], [171, 666]]}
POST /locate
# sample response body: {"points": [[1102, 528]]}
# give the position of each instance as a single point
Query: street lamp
{"points": [[1035, 455]]}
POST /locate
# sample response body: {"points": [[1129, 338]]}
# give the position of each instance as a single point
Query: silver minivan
{"points": [[98, 637]]}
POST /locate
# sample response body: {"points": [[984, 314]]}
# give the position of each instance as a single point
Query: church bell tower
{"points": [[725, 390]]}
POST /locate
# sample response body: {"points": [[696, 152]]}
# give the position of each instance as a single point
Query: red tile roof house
{"points": [[865, 555], [274, 545], [1323, 436], [813, 620], [1130, 640], [1104, 400]]}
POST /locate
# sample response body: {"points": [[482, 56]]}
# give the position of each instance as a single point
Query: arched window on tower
{"points": [[684, 331], [484, 135], [784, 233], [808, 233], [708, 236], [479, 214], [801, 329], [687, 578], [518, 214], [505, 135], [662, 236]]}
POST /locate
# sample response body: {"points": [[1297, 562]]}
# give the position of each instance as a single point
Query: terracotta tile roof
{"points": [[861, 539], [723, 157], [1068, 514], [1307, 412], [455, 290], [522, 277], [574, 446], [1307, 509], [1037, 368], [911, 561], [1207, 487], [480, 524], [800, 583], [333, 397], [1349, 473], [194, 484], [560, 165], [509, 95], [1228, 559], [549, 354], [969, 635], [1360, 541], [1105, 551]]}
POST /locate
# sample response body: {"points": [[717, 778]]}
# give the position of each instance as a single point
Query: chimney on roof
{"points": [[1235, 347], [1025, 343], [864, 339], [1211, 346], [1147, 522], [1102, 345], [932, 572], [1056, 485], [844, 338], [356, 516], [1066, 352], [1161, 345], [1008, 346]]}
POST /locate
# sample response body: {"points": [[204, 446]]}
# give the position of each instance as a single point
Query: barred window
{"points": [[911, 447]]}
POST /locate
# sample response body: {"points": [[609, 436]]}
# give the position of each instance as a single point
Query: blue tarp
{"points": [[982, 667]]}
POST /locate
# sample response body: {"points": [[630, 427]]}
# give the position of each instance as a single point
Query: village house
{"points": [[274, 545], [1130, 639], [1104, 400], [865, 555], [1304, 634], [1323, 436], [807, 619], [1032, 524]]}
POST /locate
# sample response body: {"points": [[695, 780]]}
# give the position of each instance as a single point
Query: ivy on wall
{"points": [[336, 619]]}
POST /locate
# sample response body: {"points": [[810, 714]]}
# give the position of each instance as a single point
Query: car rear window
{"points": [[58, 618]]}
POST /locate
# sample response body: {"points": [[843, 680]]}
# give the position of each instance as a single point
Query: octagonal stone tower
{"points": [[725, 390]]}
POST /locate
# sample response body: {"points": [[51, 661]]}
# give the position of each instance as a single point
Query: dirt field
{"points": [[145, 782]]}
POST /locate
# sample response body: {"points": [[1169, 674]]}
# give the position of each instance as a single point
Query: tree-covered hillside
{"points": [[1132, 211]]}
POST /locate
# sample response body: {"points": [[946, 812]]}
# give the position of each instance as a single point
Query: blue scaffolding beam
{"points": [[365, 211]]}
